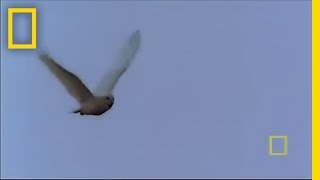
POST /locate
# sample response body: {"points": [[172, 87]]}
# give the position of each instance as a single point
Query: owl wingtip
{"points": [[137, 34]]}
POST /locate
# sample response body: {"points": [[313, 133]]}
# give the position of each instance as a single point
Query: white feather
{"points": [[126, 55]]}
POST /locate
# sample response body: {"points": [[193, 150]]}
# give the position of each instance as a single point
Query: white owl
{"points": [[102, 100]]}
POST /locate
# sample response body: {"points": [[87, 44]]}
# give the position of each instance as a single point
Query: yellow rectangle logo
{"points": [[285, 146], [33, 12]]}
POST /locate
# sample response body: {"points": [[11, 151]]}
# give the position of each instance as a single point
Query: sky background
{"points": [[211, 82]]}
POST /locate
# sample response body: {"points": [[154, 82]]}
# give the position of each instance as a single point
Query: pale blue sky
{"points": [[211, 82]]}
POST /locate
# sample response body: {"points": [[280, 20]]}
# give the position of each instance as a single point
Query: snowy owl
{"points": [[102, 100]]}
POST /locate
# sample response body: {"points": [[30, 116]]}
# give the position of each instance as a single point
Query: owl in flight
{"points": [[102, 100]]}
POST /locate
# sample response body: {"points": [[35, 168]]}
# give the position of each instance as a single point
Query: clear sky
{"points": [[211, 82]]}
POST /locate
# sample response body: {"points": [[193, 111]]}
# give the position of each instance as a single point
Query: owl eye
{"points": [[107, 98]]}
